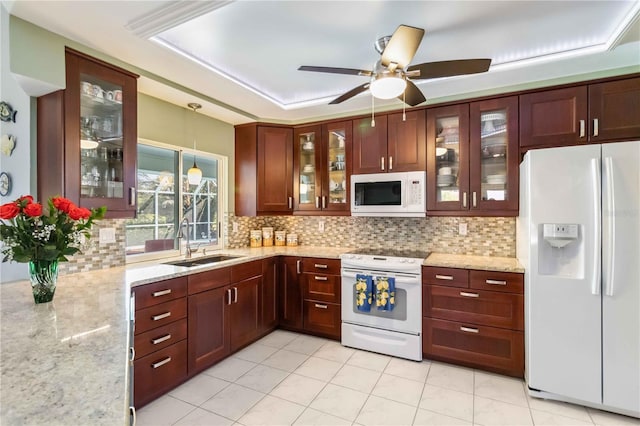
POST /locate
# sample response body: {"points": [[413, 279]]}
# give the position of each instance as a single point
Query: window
{"points": [[165, 199]]}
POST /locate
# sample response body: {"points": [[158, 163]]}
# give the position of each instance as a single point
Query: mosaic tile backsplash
{"points": [[486, 236], [98, 256]]}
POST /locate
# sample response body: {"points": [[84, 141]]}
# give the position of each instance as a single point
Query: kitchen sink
{"points": [[199, 261]]}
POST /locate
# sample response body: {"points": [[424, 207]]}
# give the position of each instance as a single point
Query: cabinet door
{"points": [[448, 158], [614, 110], [553, 117], [275, 169], [244, 312], [322, 318], [290, 294], [307, 168], [336, 167], [269, 294], [208, 328], [370, 145], [406, 144], [494, 156]]}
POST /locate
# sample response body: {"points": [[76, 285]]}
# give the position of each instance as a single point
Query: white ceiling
{"points": [[247, 52]]}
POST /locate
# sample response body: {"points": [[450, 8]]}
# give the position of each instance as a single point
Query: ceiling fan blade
{"points": [[351, 93], [402, 46], [412, 95], [332, 70], [448, 68]]}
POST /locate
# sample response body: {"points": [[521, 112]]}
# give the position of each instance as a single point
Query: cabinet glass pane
{"points": [[307, 163], [493, 166], [337, 167], [101, 171], [447, 158]]}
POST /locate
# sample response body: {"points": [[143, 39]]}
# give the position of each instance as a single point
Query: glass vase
{"points": [[43, 275]]}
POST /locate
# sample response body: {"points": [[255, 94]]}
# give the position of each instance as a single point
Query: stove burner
{"points": [[387, 252]]}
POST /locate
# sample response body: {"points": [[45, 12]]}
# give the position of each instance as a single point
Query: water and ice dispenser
{"points": [[561, 250]]}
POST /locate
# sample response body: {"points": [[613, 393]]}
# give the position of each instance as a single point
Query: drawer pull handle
{"points": [[320, 278], [161, 316], [229, 296], [132, 353], [465, 294], [444, 277], [132, 413], [321, 306], [319, 266], [496, 282], [161, 363], [235, 295], [469, 330], [161, 339], [162, 293]]}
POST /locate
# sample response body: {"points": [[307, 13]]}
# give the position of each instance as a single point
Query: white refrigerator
{"points": [[578, 237]]}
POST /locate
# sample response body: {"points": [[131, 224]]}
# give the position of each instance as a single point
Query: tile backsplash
{"points": [[486, 236]]}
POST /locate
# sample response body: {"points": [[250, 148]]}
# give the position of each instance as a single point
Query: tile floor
{"points": [[287, 378]]}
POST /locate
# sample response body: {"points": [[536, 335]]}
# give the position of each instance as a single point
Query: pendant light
{"points": [[194, 175]]}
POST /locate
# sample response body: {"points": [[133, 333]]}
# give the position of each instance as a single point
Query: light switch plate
{"points": [[107, 235], [321, 226]]}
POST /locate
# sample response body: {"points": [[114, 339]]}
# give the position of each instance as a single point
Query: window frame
{"points": [[223, 198]]}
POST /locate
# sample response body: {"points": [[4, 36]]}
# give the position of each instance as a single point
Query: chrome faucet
{"points": [[188, 250]]}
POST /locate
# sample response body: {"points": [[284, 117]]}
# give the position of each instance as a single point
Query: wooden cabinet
{"points": [[322, 166], [160, 338], [208, 329], [264, 170], [472, 156], [321, 292], [395, 144], [594, 113], [290, 294], [87, 137], [244, 303], [270, 295], [474, 318]]}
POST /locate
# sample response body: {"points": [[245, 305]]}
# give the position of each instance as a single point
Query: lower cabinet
{"points": [[474, 318], [244, 312], [269, 320], [208, 329], [290, 294], [321, 293], [158, 372], [322, 318]]}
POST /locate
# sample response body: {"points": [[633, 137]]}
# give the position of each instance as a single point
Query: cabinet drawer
{"points": [[159, 315], [321, 265], [158, 372], [507, 282], [209, 280], [160, 337], [160, 292], [322, 318], [451, 277], [493, 349], [322, 287], [490, 308], [245, 271]]}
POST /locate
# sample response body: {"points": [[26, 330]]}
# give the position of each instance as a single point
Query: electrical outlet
{"points": [[462, 228], [235, 226], [107, 235], [321, 226]]}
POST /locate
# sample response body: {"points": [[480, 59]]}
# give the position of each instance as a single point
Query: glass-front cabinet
{"points": [[95, 140], [494, 155], [321, 168], [472, 158]]}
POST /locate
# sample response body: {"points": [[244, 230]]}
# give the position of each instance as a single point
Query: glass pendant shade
{"points": [[387, 87], [194, 175]]}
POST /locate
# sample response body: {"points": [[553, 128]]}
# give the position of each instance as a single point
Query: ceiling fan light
{"points": [[194, 175], [387, 87]]}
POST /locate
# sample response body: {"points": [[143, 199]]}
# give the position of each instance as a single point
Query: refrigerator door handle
{"points": [[597, 217], [610, 218]]}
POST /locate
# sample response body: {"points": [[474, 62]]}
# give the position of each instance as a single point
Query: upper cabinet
{"points": [[472, 155], [395, 144], [87, 136], [322, 168], [595, 113], [264, 170]]}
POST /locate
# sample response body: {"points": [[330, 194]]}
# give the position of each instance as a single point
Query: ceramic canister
{"points": [[281, 238], [292, 239], [256, 238], [267, 236]]}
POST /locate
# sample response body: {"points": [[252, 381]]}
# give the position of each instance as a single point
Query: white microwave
{"points": [[389, 194]]}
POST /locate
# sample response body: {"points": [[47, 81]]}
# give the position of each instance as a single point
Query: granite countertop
{"points": [[66, 361], [484, 263]]}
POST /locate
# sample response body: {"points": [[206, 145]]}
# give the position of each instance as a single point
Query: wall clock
{"points": [[5, 184]]}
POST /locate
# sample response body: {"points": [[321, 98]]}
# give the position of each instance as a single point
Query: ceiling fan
{"points": [[391, 75]]}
